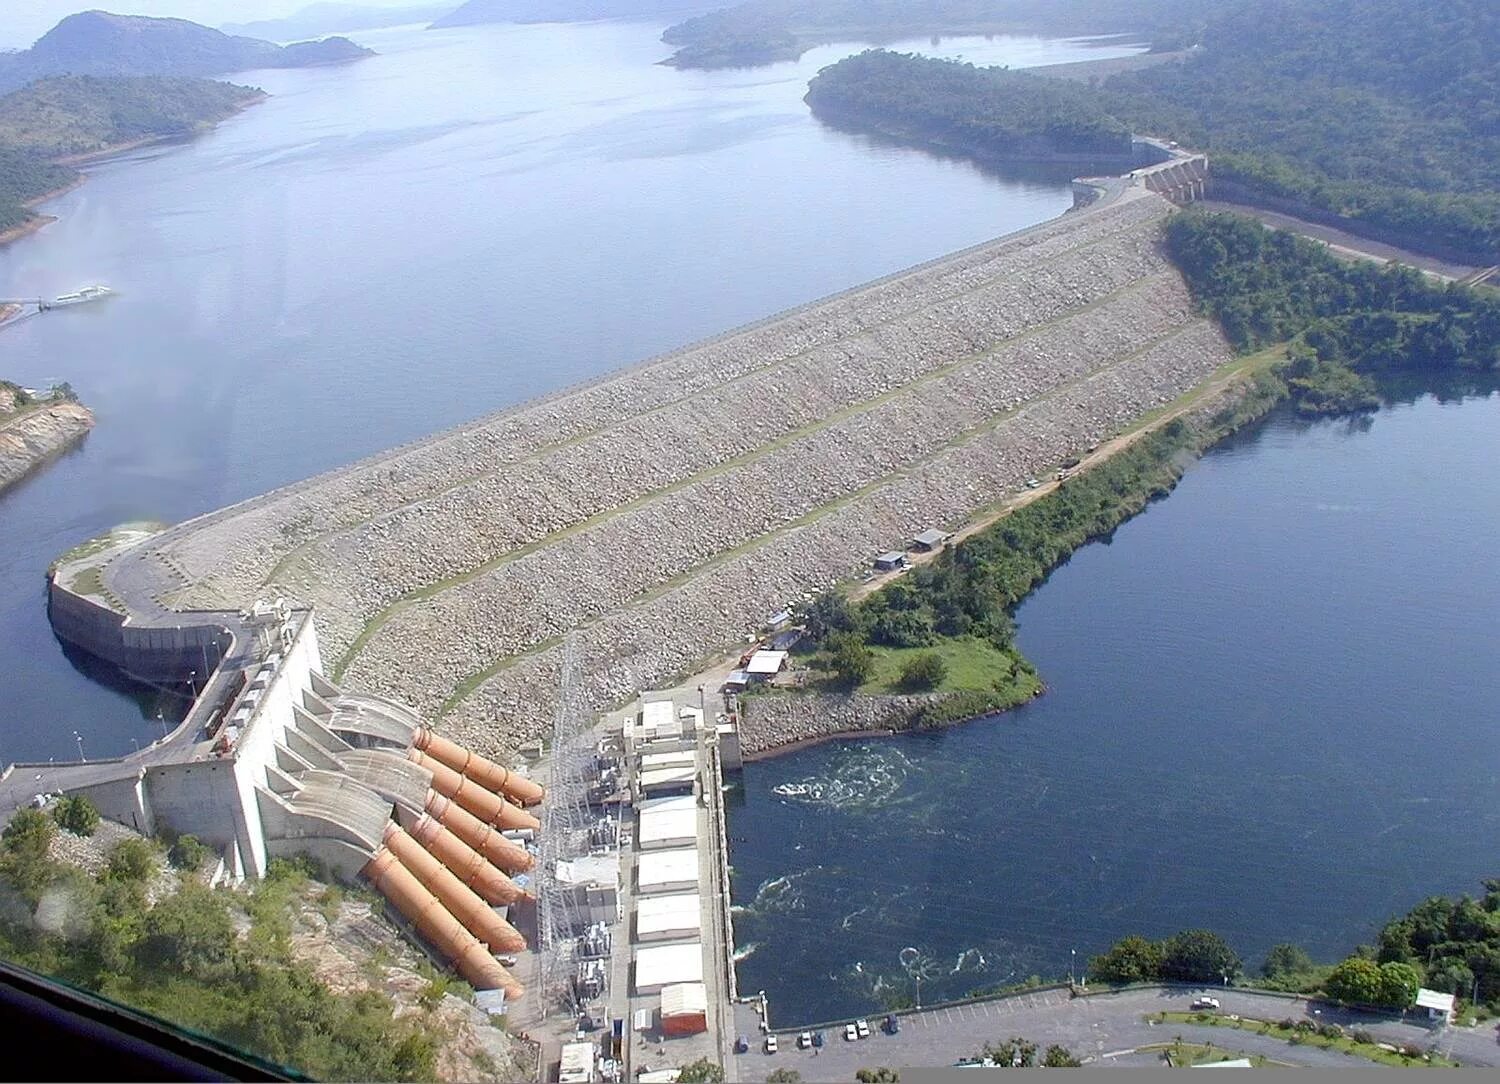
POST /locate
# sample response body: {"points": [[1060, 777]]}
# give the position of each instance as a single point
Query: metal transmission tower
{"points": [[566, 821]]}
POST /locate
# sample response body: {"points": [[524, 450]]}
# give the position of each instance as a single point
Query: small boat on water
{"points": [[83, 296]]}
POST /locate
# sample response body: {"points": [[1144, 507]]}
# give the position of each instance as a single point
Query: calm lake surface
{"points": [[472, 218], [1271, 712]]}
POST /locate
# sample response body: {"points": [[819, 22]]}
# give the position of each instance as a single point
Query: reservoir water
{"points": [[1270, 712], [380, 250]]}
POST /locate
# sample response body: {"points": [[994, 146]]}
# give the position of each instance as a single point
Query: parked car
{"points": [[770, 1044], [862, 1028], [892, 1024], [819, 1039], [742, 1045], [804, 1040], [1211, 1003], [850, 1033], [1032, 483]]}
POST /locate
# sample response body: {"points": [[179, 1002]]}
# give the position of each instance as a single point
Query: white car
{"points": [[850, 1033], [804, 1040], [770, 1044], [862, 1028], [1206, 1003]]}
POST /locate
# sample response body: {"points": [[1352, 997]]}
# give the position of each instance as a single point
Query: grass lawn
{"points": [[1372, 1051], [972, 665], [1180, 1054]]}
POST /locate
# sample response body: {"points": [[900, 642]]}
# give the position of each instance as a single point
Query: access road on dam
{"points": [[664, 512]]}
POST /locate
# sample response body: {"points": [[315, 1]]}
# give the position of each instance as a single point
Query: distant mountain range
{"points": [[316, 20], [476, 12], [98, 43]]}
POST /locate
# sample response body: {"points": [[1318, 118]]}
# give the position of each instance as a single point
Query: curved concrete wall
{"points": [[162, 654]]}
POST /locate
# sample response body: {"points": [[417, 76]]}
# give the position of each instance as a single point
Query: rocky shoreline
{"points": [[33, 438]]}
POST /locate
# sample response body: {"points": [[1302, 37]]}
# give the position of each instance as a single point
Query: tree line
{"points": [[988, 112], [1443, 944], [1343, 320]]}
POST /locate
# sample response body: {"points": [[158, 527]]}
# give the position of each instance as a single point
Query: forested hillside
{"points": [[1386, 112], [25, 177], [990, 112], [81, 114], [98, 43]]}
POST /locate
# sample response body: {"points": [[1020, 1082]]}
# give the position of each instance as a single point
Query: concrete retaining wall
{"points": [[156, 654], [767, 722]]}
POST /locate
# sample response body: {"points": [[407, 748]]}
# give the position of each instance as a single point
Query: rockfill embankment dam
{"points": [[666, 510]]}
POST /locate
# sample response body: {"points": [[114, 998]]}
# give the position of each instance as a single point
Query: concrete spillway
{"points": [[666, 510]]}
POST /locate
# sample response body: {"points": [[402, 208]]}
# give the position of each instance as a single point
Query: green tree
{"points": [[187, 853], [76, 814], [850, 660], [825, 615], [1013, 1053], [1059, 1057], [701, 1071], [1285, 960], [132, 861], [1398, 984], [1131, 959], [1355, 981], [881, 1075], [784, 1076], [23, 852], [924, 671], [1198, 956]]}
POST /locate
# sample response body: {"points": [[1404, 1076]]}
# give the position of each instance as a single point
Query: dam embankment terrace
{"points": [[666, 510]]}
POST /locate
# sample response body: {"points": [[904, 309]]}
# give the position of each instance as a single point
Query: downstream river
{"points": [[1271, 712], [471, 218]]}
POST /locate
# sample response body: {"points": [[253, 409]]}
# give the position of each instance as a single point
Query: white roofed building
{"points": [[667, 871], [667, 822], [657, 966], [669, 918], [1439, 1005]]}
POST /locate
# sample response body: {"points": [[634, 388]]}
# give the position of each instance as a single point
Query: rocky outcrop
{"points": [[29, 438], [769, 722]]}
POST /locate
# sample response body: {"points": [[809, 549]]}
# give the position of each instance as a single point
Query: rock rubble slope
{"points": [[669, 508]]}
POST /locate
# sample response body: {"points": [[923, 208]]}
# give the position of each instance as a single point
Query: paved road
{"points": [[1106, 1028]]}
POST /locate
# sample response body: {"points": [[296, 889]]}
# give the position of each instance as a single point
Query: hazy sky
{"points": [[24, 21]]}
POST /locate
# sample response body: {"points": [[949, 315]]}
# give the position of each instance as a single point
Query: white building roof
{"points": [[577, 1063], [591, 869], [663, 819], [675, 776], [658, 868], [659, 719], [664, 914], [684, 999], [668, 965], [1434, 999], [931, 537], [737, 677], [766, 662], [1235, 1063], [672, 759]]}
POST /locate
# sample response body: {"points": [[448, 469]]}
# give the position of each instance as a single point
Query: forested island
{"points": [[988, 113], [765, 31], [1315, 330], [98, 43], [70, 116]]}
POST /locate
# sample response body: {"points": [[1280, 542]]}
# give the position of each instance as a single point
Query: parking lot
{"points": [[1107, 1028]]}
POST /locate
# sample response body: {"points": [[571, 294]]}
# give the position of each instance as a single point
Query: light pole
{"points": [[163, 723], [1072, 963], [79, 739], [137, 743]]}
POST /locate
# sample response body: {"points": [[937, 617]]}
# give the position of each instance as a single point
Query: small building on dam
{"points": [[275, 760]]}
